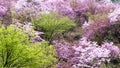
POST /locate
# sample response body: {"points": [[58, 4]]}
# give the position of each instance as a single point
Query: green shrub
{"points": [[16, 50], [53, 24]]}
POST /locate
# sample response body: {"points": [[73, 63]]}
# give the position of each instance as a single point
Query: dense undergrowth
{"points": [[59, 34]]}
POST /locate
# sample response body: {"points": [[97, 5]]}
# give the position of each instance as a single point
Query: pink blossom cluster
{"points": [[61, 6], [5, 5], [92, 55], [115, 15], [85, 53], [90, 28], [2, 10], [26, 9], [108, 15], [28, 28]]}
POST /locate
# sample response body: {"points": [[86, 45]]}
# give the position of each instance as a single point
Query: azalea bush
{"points": [[85, 53], [26, 10]]}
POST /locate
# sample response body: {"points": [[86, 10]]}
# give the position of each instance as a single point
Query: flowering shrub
{"points": [[110, 33], [28, 28], [2, 11], [29, 24], [85, 53], [26, 10], [99, 22]]}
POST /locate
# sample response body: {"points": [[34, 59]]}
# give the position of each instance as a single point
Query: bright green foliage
{"points": [[16, 50], [52, 24]]}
